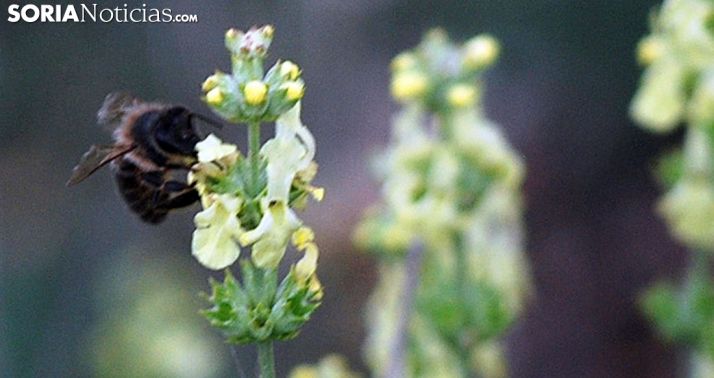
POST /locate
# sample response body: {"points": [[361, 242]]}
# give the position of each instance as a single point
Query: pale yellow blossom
{"points": [[212, 148], [217, 229], [270, 238]]}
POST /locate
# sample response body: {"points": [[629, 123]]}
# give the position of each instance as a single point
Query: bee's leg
{"points": [[183, 195], [182, 199], [172, 186]]}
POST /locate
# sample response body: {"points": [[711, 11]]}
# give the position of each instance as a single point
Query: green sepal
{"points": [[294, 305], [684, 315], [474, 311], [247, 68], [670, 168], [258, 309], [238, 182], [259, 284]]}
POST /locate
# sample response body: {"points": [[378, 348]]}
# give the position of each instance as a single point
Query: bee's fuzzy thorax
{"points": [[124, 134]]}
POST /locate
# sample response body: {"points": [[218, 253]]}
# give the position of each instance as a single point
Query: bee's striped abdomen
{"points": [[141, 196]]}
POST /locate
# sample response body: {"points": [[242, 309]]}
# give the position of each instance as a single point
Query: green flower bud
{"points": [[289, 70], [252, 44]]}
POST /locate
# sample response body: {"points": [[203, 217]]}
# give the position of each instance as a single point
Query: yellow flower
{"points": [[232, 36], [659, 103], [331, 366], [480, 51], [489, 360], [689, 209], [304, 371], [397, 237], [268, 31], [317, 193], [210, 82], [294, 90], [215, 96], [409, 85], [461, 95], [302, 236], [305, 268], [217, 228], [255, 92], [289, 70], [303, 239], [649, 50], [403, 62], [701, 104], [309, 173], [315, 287]]}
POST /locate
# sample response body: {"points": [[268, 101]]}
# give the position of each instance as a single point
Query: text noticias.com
{"points": [[93, 13]]}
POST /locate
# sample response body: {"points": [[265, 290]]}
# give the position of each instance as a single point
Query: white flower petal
{"points": [[212, 148]]}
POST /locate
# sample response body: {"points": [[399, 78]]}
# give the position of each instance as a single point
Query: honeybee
{"points": [[152, 142]]}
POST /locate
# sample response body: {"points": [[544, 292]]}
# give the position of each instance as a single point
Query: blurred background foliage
{"points": [[76, 266]]}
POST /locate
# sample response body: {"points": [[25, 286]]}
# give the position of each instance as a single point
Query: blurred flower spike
{"points": [[450, 185], [249, 94], [679, 56], [249, 200], [439, 74], [677, 90], [331, 366]]}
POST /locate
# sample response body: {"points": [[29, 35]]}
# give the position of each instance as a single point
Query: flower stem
{"points": [[397, 365], [253, 150], [464, 343], [266, 359]]}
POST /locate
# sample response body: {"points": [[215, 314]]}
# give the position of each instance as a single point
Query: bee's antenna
{"points": [[208, 120]]}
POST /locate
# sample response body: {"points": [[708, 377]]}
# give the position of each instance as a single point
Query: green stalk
{"points": [[266, 359], [253, 152], [463, 343], [266, 356], [397, 364]]}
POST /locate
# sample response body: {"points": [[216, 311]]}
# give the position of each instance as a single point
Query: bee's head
{"points": [[175, 132]]}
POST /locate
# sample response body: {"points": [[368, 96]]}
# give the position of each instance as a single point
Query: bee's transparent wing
{"points": [[114, 107], [97, 157]]}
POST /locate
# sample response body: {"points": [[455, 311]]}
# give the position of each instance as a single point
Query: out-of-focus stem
{"points": [[700, 263], [397, 362], [464, 343]]}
